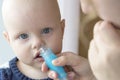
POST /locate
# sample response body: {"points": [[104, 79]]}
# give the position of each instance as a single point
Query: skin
{"points": [[81, 68], [106, 9], [104, 53], [37, 23]]}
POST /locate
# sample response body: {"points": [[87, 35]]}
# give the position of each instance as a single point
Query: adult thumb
{"points": [[109, 33]]}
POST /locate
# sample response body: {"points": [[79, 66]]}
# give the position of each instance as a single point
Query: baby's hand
{"points": [[104, 52], [80, 67]]}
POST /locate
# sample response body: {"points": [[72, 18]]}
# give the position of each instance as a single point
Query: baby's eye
{"points": [[46, 30], [23, 36]]}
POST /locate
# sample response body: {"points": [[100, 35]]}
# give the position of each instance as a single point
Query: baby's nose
{"points": [[37, 42]]}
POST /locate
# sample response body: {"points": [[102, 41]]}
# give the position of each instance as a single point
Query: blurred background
{"points": [[5, 50]]}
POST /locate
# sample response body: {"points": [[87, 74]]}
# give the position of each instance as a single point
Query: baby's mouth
{"points": [[38, 56]]}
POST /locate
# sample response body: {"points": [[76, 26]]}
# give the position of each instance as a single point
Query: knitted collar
{"points": [[17, 73]]}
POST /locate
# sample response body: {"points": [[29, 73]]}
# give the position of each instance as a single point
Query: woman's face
{"points": [[107, 9]]}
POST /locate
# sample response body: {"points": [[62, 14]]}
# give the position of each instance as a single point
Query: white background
{"points": [[5, 50], [70, 10]]}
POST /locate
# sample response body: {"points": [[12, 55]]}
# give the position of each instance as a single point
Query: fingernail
{"points": [[52, 75], [55, 61]]}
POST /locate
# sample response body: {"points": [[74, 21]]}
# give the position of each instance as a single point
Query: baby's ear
{"points": [[63, 24], [6, 36]]}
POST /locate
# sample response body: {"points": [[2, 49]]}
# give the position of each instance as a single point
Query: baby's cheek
{"points": [[56, 46], [57, 51]]}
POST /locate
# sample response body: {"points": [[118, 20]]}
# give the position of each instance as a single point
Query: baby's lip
{"points": [[37, 55]]}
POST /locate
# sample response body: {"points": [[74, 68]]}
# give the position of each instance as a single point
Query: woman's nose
{"points": [[37, 42]]}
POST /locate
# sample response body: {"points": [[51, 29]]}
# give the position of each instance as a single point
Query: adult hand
{"points": [[104, 51], [80, 67]]}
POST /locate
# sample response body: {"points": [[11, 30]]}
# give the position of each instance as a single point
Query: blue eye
{"points": [[23, 36], [46, 30]]}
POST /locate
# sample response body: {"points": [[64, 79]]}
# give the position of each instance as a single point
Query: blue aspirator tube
{"points": [[48, 56]]}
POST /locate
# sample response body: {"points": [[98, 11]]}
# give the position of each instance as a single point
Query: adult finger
{"points": [[53, 75], [68, 58], [108, 33], [97, 39], [44, 67], [93, 54]]}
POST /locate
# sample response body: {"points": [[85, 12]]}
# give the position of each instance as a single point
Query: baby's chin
{"points": [[37, 65]]}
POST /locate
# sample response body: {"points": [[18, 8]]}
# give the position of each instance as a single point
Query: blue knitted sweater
{"points": [[13, 73]]}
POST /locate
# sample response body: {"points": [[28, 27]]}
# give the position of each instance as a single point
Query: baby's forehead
{"points": [[30, 10]]}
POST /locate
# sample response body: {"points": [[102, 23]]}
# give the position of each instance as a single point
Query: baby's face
{"points": [[28, 29], [107, 10]]}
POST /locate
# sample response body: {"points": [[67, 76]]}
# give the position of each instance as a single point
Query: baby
{"points": [[29, 25], [104, 52]]}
